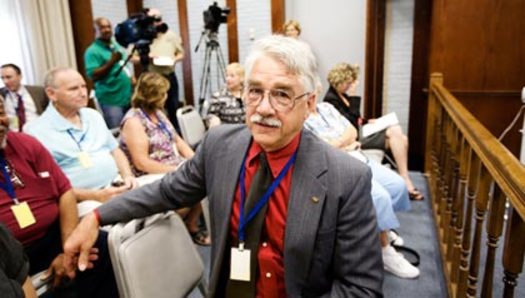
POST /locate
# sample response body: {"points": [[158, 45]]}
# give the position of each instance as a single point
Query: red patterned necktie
{"points": [[20, 113]]}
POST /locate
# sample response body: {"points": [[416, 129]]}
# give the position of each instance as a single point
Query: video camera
{"points": [[138, 27], [214, 17], [138, 30]]}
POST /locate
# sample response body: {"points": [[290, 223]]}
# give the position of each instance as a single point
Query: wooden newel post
{"points": [[435, 78]]}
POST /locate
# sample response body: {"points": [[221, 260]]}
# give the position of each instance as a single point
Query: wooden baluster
{"points": [[481, 208], [494, 230], [440, 172], [513, 252], [454, 183], [435, 158], [459, 203], [447, 173], [472, 185]]}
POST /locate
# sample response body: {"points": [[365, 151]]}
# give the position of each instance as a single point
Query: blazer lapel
{"points": [[229, 163], [304, 209], [230, 166]]}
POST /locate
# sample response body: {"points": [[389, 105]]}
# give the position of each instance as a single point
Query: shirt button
{"points": [[264, 244], [268, 275]]}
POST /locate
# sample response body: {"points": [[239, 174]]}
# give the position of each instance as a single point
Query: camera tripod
{"points": [[213, 51]]}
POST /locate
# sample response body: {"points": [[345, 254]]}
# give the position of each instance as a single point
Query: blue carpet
{"points": [[417, 229]]}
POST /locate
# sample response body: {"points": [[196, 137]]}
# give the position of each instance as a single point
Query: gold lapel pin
{"points": [[315, 200]]}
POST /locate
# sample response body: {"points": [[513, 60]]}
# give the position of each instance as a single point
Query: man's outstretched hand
{"points": [[77, 249]]}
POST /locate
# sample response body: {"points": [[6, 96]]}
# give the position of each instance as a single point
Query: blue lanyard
{"points": [[161, 124], [7, 186], [74, 139], [263, 200]]}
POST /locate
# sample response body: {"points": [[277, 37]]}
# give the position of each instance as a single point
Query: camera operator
{"points": [[166, 50], [103, 59]]}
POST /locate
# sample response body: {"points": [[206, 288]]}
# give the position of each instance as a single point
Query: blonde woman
{"points": [[226, 106], [292, 28], [343, 79], [151, 143]]}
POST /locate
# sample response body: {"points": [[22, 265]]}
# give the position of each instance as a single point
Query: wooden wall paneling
{"points": [[83, 32], [374, 58], [278, 15], [479, 49], [479, 46], [186, 62], [233, 40], [496, 113], [134, 6], [420, 78]]}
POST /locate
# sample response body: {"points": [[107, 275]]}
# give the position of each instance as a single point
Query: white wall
{"points": [[398, 59], [335, 29], [254, 20], [196, 26], [170, 15], [114, 11]]}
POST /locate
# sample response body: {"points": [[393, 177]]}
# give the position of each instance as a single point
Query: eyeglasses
{"points": [[280, 100]]}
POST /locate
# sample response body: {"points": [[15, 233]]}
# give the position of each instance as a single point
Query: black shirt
{"points": [[14, 266], [352, 112]]}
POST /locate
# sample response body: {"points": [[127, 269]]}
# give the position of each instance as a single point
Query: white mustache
{"points": [[258, 119]]}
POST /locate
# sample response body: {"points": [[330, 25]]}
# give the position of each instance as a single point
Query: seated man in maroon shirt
{"points": [[38, 205]]}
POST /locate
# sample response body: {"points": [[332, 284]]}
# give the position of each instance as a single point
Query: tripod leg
{"points": [[221, 63], [205, 77]]}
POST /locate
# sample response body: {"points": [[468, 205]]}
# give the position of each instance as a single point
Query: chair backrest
{"points": [[191, 125], [155, 257]]}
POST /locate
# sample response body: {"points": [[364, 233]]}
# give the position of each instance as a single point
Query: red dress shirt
{"points": [[270, 279]]}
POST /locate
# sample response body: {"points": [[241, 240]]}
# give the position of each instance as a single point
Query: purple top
{"points": [[161, 137]]}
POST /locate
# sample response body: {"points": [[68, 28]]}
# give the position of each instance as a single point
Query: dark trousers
{"points": [[172, 103], [96, 282]]}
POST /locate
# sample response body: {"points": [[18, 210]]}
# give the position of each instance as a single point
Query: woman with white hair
{"points": [[226, 106]]}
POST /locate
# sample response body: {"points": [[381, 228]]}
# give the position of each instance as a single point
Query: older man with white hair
{"points": [[79, 140], [293, 217]]}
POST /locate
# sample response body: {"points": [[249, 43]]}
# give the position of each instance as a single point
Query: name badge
{"points": [[13, 122], [44, 174], [23, 215], [84, 159], [240, 264]]}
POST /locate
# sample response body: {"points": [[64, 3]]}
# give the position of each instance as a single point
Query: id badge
{"points": [[13, 122], [23, 214], [84, 159], [240, 264]]}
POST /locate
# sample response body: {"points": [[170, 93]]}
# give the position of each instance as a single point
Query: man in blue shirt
{"points": [[79, 140]]}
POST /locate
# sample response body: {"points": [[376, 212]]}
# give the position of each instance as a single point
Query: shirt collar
{"points": [[276, 159], [62, 124], [22, 91], [103, 43]]}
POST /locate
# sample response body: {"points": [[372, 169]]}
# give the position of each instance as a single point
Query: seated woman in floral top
{"points": [[150, 141], [226, 106]]}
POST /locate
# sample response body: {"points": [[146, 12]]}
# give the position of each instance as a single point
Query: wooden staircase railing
{"points": [[472, 176]]}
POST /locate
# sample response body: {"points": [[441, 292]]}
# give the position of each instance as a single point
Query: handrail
{"points": [[504, 167], [471, 177]]}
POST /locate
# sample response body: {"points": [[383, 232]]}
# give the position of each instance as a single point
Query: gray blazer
{"points": [[37, 93], [331, 240]]}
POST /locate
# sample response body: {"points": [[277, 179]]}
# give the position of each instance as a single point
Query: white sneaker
{"points": [[396, 264], [395, 238]]}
